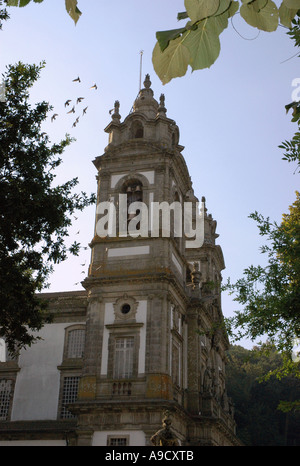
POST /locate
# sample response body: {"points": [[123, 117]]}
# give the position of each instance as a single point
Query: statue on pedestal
{"points": [[165, 436]]}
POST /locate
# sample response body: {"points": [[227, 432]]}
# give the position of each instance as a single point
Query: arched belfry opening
{"points": [[137, 130], [134, 191]]}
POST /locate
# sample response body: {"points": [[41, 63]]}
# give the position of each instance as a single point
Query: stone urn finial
{"points": [[147, 82]]}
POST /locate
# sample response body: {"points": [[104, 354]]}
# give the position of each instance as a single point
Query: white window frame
{"points": [[68, 395], [124, 358], [114, 440]]}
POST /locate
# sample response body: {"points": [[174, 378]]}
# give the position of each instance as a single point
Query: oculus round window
{"points": [[125, 308]]}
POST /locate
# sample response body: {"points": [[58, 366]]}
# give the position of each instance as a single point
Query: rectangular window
{"points": [[117, 441], [70, 391], [5, 355], [2, 350], [5, 397], [175, 364], [76, 340], [123, 363]]}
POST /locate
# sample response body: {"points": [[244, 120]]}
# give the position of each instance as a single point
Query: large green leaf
{"points": [[224, 5], [262, 14], [203, 43], [164, 37], [234, 7], [72, 9], [293, 4], [173, 61], [197, 44], [286, 15], [200, 9]]}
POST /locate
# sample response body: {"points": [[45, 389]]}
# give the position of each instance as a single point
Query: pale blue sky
{"points": [[231, 117]]}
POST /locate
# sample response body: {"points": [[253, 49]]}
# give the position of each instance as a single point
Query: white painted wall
{"points": [[136, 437], [131, 251], [37, 385], [141, 316], [177, 263], [33, 443]]}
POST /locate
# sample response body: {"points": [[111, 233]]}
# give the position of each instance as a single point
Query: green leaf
{"points": [[17, 2], [164, 37], [173, 61], [234, 7], [292, 4], [286, 15], [262, 14], [224, 5], [21, 3], [291, 105], [182, 15], [74, 12], [12, 2], [197, 46], [204, 44], [200, 9]]}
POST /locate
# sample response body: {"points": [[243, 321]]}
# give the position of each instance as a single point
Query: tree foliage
{"points": [[71, 6], [197, 43], [270, 295], [35, 212], [3, 14], [259, 403]]}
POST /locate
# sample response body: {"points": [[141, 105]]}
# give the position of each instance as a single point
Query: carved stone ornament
{"points": [[125, 308], [165, 436], [196, 275], [176, 317]]}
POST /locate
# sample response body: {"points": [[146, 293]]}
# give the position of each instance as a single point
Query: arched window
{"points": [[176, 219], [134, 191], [137, 130], [74, 342]]}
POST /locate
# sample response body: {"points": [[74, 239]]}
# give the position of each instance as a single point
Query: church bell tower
{"points": [[155, 339]]}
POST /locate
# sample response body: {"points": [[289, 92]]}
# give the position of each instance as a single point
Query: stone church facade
{"points": [[145, 335]]}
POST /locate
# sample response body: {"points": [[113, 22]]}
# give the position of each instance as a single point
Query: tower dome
{"points": [[145, 102]]}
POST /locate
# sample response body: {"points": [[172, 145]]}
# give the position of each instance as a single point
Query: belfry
{"points": [[138, 356]]}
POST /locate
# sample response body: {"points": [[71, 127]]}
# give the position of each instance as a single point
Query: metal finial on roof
{"points": [[141, 63]]}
